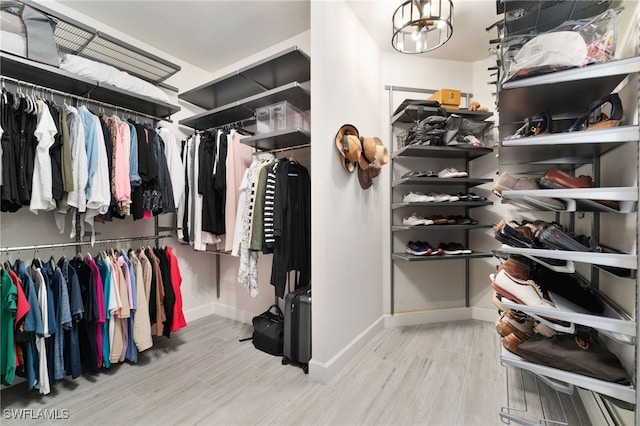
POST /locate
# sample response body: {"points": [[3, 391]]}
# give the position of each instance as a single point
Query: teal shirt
{"points": [[8, 309]]}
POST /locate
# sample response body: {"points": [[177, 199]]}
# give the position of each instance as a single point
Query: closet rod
{"points": [[291, 148], [228, 125], [116, 108], [79, 243]]}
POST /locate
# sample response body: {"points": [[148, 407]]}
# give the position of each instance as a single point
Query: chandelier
{"points": [[422, 25]]}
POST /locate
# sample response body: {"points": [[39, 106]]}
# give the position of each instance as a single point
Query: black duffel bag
{"points": [[268, 331]]}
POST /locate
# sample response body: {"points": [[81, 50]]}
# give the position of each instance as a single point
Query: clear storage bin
{"points": [[280, 116]]}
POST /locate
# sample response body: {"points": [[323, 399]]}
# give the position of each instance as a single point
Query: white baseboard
{"points": [[427, 317], [220, 309], [439, 315], [484, 314], [325, 371]]}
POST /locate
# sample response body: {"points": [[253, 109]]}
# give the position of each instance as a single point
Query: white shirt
{"points": [[41, 188], [79, 167], [174, 163]]}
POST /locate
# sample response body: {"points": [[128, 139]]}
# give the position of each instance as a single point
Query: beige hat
{"points": [[373, 150], [349, 148]]}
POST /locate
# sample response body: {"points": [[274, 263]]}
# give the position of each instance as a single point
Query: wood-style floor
{"points": [[441, 374]]}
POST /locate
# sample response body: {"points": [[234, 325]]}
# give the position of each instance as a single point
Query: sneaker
{"points": [[438, 198], [450, 172], [453, 198], [525, 292], [451, 248], [415, 220], [417, 248], [523, 329], [417, 197]]}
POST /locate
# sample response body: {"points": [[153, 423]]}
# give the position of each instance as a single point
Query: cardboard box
{"points": [[446, 96]]}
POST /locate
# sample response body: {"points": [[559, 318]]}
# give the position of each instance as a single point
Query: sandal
{"points": [[534, 125], [600, 120]]}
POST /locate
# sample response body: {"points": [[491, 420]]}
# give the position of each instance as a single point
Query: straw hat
{"points": [[373, 150], [349, 147], [366, 176]]}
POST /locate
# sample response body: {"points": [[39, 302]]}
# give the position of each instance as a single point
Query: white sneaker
{"points": [[417, 197], [521, 291], [415, 220], [450, 172], [438, 198], [453, 198]]}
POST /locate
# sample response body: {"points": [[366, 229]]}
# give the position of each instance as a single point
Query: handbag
{"points": [[268, 331]]}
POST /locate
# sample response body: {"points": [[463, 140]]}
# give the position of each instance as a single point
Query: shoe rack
{"points": [[416, 157], [561, 93]]}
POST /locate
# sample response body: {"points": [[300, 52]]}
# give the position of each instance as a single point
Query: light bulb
{"points": [[415, 36], [441, 24]]}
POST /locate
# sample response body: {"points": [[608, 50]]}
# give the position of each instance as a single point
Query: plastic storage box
{"points": [[280, 116]]}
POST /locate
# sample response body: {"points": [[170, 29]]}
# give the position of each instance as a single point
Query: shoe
{"points": [[416, 173], [554, 238], [454, 248], [453, 198], [417, 248], [417, 197], [522, 329], [508, 182], [450, 172], [601, 120], [459, 220], [415, 220], [556, 178], [515, 237], [475, 197], [439, 220], [525, 292], [439, 198], [534, 125], [517, 268], [463, 197], [544, 329], [511, 342]]}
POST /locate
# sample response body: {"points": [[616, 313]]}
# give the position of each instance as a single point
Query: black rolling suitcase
{"points": [[297, 328]]}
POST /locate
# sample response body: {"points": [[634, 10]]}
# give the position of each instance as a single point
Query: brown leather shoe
{"points": [[556, 178], [516, 268], [511, 342], [522, 329]]}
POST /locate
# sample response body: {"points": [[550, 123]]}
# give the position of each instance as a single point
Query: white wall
{"points": [[347, 227]]}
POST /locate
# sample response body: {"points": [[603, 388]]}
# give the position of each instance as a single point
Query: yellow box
{"points": [[450, 106], [446, 96]]}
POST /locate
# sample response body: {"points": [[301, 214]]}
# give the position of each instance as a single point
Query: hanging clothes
{"points": [[239, 157], [42, 183], [8, 309], [292, 226]]}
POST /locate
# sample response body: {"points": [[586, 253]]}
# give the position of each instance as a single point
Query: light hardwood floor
{"points": [[440, 374]]}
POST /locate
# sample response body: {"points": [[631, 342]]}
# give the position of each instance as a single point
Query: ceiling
{"points": [[214, 34]]}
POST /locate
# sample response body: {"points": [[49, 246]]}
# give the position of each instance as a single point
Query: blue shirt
{"points": [[60, 292], [91, 145], [32, 324], [134, 177], [72, 363]]}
